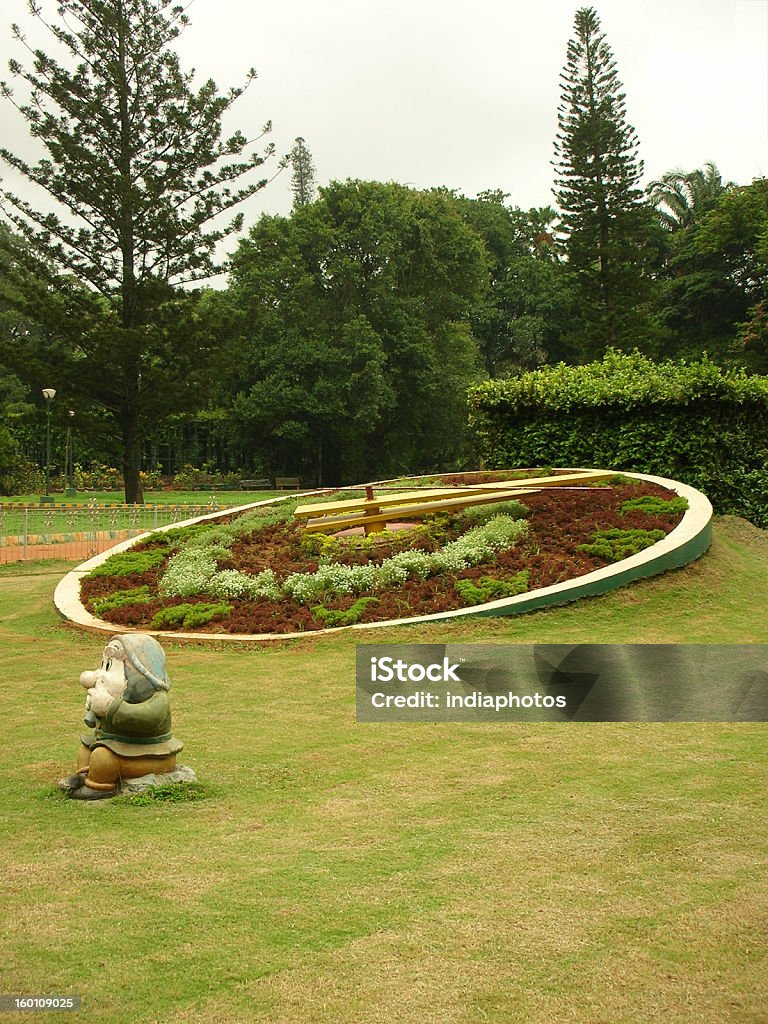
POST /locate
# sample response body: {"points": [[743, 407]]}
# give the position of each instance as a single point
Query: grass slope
{"points": [[345, 873]]}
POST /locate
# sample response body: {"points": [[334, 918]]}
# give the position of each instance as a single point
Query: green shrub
{"points": [[211, 533], [478, 514], [121, 598], [488, 589], [189, 615], [17, 476], [189, 477], [211, 536], [265, 515], [437, 527], [656, 506], [126, 563], [613, 545], [480, 544], [232, 583], [98, 478], [693, 422], [330, 617], [191, 569]]}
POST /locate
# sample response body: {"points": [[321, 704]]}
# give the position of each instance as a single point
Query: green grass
{"points": [[343, 873], [150, 497]]}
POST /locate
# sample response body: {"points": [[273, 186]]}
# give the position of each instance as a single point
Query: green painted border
{"points": [[687, 552]]}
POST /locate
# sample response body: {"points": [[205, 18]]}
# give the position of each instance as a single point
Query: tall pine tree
{"points": [[137, 164], [303, 181], [597, 174]]}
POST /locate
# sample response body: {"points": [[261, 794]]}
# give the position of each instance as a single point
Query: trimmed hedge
{"points": [[694, 422]]}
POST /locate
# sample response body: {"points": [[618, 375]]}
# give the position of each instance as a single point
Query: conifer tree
{"points": [[303, 181], [139, 169], [597, 176]]}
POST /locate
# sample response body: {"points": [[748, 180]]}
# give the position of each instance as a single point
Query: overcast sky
{"points": [[465, 95]]}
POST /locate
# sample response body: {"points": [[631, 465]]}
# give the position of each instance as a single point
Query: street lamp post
{"points": [[69, 460], [48, 394]]}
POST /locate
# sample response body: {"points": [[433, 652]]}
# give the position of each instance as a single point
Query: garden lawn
{"points": [[352, 873], [222, 498]]}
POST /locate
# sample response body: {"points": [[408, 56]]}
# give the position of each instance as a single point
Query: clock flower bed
{"points": [[260, 572]]}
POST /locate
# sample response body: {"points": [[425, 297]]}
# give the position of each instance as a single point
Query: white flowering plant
{"points": [[477, 545]]}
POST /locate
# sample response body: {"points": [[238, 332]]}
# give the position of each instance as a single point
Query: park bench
{"points": [[261, 484], [373, 513], [284, 483]]}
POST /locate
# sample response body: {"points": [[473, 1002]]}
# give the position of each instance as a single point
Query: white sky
{"points": [[444, 92]]}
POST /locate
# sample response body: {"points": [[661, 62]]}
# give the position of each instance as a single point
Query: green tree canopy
{"points": [[713, 290], [303, 174], [522, 317], [597, 173], [682, 198], [141, 173], [355, 339]]}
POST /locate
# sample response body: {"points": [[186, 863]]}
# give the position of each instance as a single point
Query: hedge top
{"points": [[622, 381]]}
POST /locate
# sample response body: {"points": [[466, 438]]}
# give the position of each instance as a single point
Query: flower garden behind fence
{"points": [[80, 531]]}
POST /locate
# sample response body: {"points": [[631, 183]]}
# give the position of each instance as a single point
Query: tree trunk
{"points": [[134, 492], [331, 465], [130, 414]]}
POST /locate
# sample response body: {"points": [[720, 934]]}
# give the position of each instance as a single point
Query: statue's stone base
{"points": [[183, 773]]}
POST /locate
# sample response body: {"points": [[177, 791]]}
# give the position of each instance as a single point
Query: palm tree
{"points": [[682, 198], [543, 225]]}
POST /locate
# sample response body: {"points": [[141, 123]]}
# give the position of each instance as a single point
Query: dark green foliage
{"points": [[303, 178], [733, 241], [203, 534], [614, 545], [607, 221], [126, 563], [476, 515], [143, 178], [16, 413], [527, 308], [353, 614], [190, 615], [695, 422], [355, 348], [121, 598], [682, 199], [175, 536], [655, 506], [488, 589], [712, 285]]}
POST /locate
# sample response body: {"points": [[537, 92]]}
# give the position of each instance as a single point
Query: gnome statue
{"points": [[128, 710]]}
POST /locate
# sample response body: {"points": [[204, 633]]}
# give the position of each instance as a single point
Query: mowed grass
{"points": [[429, 874], [201, 497]]}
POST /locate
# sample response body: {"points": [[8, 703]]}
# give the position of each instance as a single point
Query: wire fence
{"points": [[75, 533]]}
